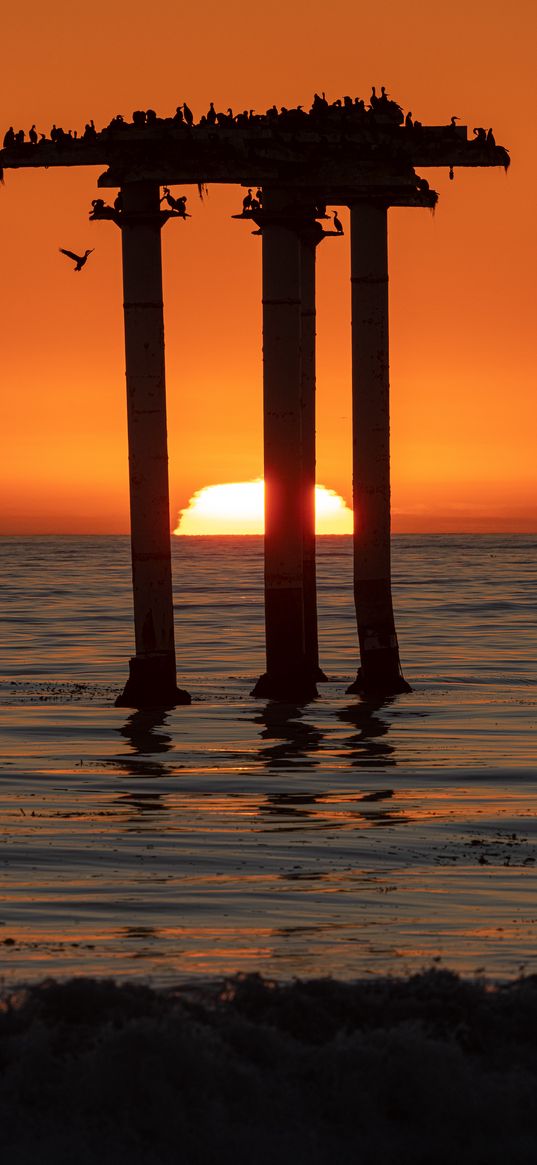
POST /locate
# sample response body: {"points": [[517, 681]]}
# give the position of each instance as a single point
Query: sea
{"points": [[344, 837], [245, 931]]}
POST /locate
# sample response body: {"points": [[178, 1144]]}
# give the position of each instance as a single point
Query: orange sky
{"points": [[462, 282]]}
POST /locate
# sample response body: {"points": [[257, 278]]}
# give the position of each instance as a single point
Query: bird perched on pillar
{"points": [[338, 223], [79, 260]]}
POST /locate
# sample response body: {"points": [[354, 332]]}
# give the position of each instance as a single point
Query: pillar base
{"points": [[291, 688], [152, 683], [379, 677]]}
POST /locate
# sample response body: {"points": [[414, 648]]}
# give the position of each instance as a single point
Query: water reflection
{"points": [[140, 731], [365, 745], [294, 738], [330, 811]]}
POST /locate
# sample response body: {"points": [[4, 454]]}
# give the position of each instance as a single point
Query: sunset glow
{"points": [[236, 507], [462, 349]]}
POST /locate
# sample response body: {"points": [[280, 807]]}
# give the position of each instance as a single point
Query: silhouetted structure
{"points": [[339, 154]]}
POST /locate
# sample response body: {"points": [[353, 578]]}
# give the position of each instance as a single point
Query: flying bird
{"points": [[338, 223], [79, 260]]}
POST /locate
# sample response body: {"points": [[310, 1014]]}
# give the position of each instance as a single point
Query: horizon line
{"points": [[126, 533]]}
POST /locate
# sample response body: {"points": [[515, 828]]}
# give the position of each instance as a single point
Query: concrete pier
{"points": [[152, 678], [310, 237], [288, 674], [338, 155], [380, 670]]}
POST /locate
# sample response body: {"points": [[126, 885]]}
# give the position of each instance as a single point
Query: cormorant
{"points": [[211, 115], [33, 135], [338, 223], [177, 204], [491, 140], [247, 201], [189, 116], [118, 201], [408, 120], [454, 120], [79, 260]]}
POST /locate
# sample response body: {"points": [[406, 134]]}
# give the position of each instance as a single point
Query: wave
{"points": [[432, 1067]]}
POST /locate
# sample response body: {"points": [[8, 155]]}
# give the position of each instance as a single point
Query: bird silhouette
{"points": [[79, 260], [33, 136], [338, 223]]}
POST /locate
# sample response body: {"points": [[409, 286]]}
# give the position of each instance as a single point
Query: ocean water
{"points": [[342, 838]]}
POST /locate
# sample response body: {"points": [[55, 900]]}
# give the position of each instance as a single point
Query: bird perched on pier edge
{"points": [[79, 260], [338, 223]]}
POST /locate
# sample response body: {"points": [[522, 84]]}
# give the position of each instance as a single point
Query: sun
{"points": [[237, 507]]}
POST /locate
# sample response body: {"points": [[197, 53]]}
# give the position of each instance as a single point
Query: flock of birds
{"points": [[381, 110], [251, 205]]}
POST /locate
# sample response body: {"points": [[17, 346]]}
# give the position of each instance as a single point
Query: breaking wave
{"points": [[431, 1068]]}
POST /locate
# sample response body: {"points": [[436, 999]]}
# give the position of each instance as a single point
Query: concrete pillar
{"points": [[380, 669], [288, 676], [152, 678], [309, 241]]}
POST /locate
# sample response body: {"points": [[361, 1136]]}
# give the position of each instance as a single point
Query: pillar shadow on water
{"points": [[293, 738], [366, 745], [141, 732]]}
